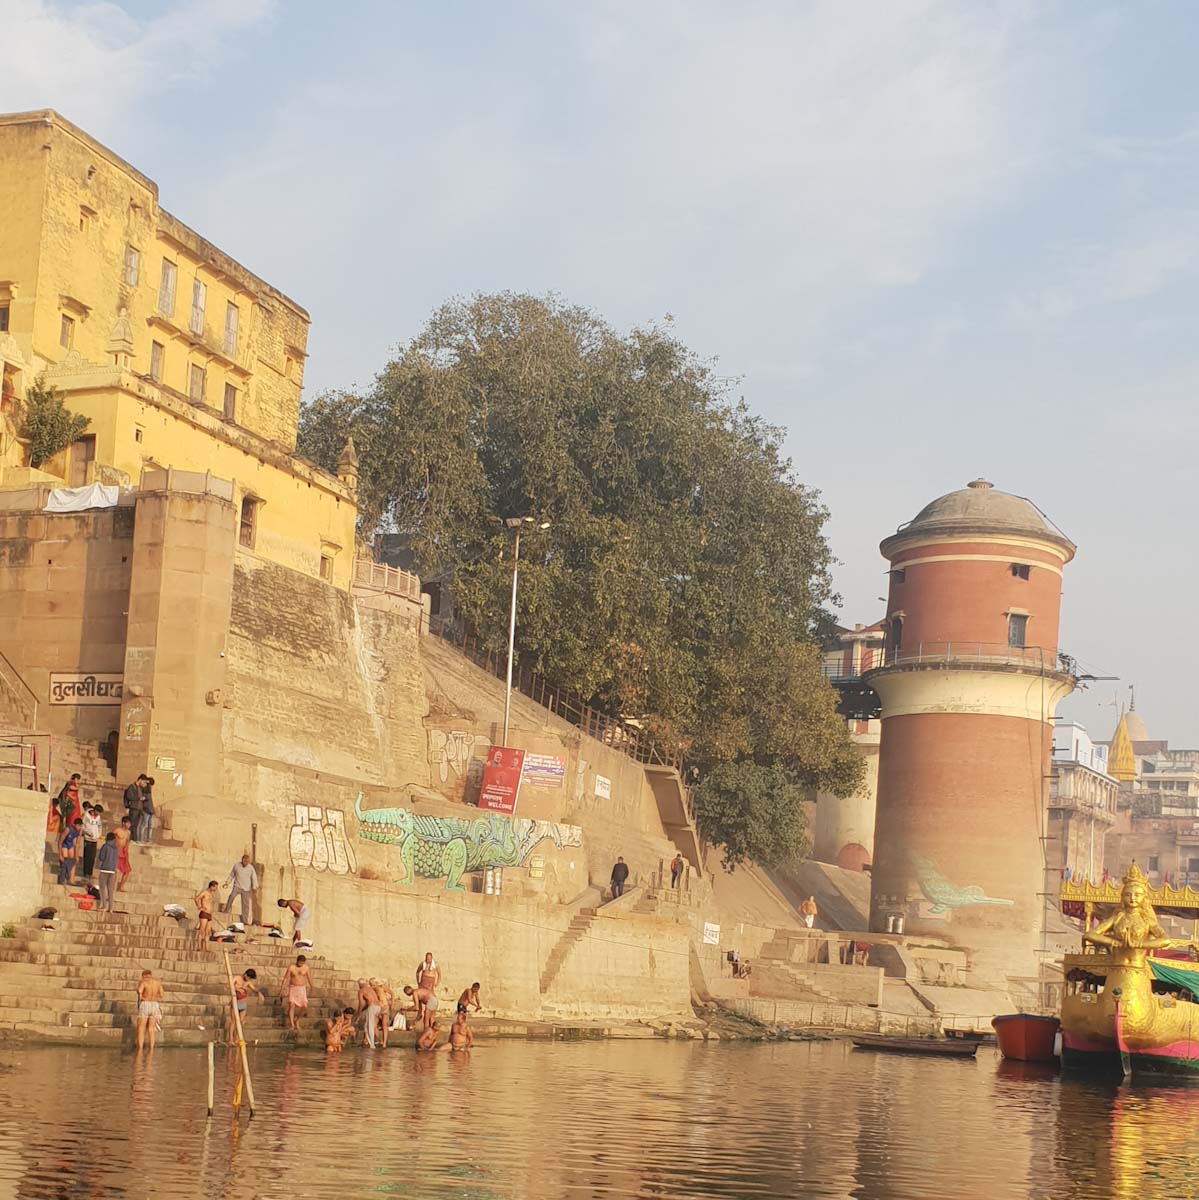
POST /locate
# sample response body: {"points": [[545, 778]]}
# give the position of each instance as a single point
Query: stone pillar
{"points": [[180, 594]]}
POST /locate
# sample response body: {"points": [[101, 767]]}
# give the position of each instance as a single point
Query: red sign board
{"points": [[501, 779]]}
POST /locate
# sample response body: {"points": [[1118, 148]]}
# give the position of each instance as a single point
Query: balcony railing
{"points": [[379, 577], [978, 653]]}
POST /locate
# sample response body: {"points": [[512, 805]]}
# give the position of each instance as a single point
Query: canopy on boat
{"points": [[1076, 894], [1176, 974]]}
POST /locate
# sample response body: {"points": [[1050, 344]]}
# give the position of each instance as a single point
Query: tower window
{"points": [[898, 575], [896, 632], [1020, 570], [248, 526], [1017, 626]]}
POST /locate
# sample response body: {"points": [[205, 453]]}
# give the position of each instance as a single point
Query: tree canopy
{"points": [[684, 580], [47, 424]]}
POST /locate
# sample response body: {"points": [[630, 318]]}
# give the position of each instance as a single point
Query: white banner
{"points": [[711, 934], [95, 495], [603, 788]]}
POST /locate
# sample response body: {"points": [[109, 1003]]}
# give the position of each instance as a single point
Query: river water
{"points": [[620, 1118]]}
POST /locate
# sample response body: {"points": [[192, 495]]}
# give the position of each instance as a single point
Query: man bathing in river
{"points": [[203, 901], [470, 998], [149, 1008], [426, 1002], [461, 1037], [428, 1039], [368, 1003], [243, 985], [297, 979], [299, 911]]}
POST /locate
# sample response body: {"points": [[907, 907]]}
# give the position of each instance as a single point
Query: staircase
{"points": [[98, 784], [575, 932], [78, 981]]}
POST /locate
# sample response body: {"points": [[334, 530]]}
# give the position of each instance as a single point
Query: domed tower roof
{"points": [[1121, 761], [1134, 726], [979, 509]]}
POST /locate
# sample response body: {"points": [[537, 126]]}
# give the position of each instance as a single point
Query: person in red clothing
{"points": [[69, 808]]}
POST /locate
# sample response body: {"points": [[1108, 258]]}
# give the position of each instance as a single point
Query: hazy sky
{"points": [[934, 240]]}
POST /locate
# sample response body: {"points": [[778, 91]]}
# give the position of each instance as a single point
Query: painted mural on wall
{"points": [[318, 841], [942, 896], [457, 751], [450, 847]]}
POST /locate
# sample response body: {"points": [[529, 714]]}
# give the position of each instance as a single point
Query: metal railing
{"points": [[985, 653], [620, 735], [19, 692], [21, 764], [382, 578]]}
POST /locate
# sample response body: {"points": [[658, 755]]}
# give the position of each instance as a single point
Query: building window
{"points": [[133, 265], [158, 354], [85, 218], [1193, 866], [1153, 862], [231, 316], [230, 402], [196, 382], [166, 288], [248, 525], [1017, 625], [327, 567], [3, 318], [66, 332], [138, 433], [1020, 570], [199, 297], [896, 632], [898, 575]]}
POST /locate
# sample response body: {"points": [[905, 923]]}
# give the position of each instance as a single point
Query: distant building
{"points": [[1082, 803], [843, 832], [1158, 805]]}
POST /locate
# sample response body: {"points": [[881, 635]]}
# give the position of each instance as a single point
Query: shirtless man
{"points": [[149, 1008], [333, 1028], [299, 911], [243, 985], [124, 835], [297, 979], [428, 1039], [468, 998], [368, 1003], [386, 997], [461, 1037], [426, 1002], [428, 973], [204, 901]]}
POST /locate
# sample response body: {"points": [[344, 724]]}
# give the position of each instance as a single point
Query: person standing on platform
{"points": [[68, 852], [133, 805], [145, 828], [808, 911], [149, 1009], [93, 831], [243, 882], [300, 914], [620, 873], [428, 973], [124, 834], [106, 871], [676, 870]]}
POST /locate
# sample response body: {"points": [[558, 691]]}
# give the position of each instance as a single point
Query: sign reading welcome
{"points": [[500, 787], [75, 687]]}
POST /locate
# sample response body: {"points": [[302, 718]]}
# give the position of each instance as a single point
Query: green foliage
{"points": [[685, 578], [47, 424], [8, 931], [754, 812]]}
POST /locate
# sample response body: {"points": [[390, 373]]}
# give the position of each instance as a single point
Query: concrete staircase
{"points": [[575, 931], [99, 784], [77, 981]]}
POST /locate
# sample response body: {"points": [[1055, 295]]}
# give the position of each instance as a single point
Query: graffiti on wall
{"points": [[458, 751], [450, 847], [943, 896], [318, 840]]}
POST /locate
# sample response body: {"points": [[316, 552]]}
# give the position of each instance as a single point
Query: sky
{"points": [[933, 240]]}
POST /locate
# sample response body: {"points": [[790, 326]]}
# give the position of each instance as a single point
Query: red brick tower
{"points": [[968, 694]]}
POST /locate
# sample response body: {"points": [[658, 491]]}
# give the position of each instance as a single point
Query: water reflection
{"points": [[645, 1119]]}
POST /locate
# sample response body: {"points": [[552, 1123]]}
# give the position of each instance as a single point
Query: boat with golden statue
{"points": [[1131, 1000]]}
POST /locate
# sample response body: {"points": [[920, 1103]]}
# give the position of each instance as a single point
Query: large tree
{"points": [[684, 580]]}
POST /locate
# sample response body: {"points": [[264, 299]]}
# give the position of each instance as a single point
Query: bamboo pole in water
{"points": [[241, 1037], [211, 1074]]}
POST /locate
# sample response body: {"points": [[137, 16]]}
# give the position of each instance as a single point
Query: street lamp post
{"points": [[517, 524]]}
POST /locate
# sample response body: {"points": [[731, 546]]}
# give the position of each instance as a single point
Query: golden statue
{"points": [[1113, 1017], [1133, 929]]}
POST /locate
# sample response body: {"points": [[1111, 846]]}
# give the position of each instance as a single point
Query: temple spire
{"points": [[1121, 761]]}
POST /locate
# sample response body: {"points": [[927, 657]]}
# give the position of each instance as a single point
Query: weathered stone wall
{"points": [[64, 597], [22, 845]]}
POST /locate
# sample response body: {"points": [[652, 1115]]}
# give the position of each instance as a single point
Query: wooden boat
{"points": [[1129, 1007], [950, 1047], [1026, 1037]]}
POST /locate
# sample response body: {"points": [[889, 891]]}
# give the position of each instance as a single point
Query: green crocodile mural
{"points": [[433, 847]]}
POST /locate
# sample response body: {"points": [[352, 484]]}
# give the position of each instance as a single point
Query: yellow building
{"points": [[177, 355]]}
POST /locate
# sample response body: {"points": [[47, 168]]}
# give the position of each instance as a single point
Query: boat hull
{"points": [[1025, 1037]]}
